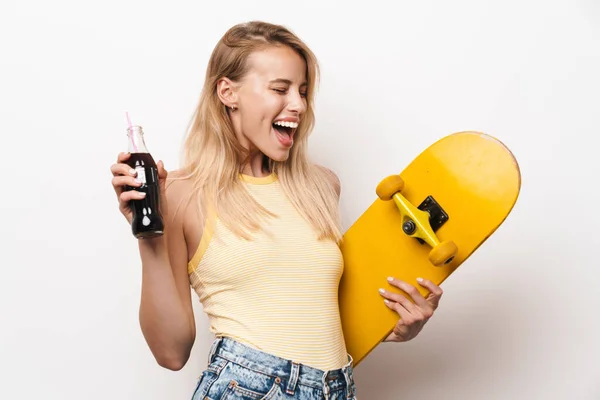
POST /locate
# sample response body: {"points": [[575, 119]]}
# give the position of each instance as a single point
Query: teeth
{"points": [[286, 124]]}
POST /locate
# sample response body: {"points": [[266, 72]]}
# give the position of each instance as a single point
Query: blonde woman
{"points": [[252, 225]]}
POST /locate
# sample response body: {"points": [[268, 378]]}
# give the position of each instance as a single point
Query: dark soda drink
{"points": [[147, 220]]}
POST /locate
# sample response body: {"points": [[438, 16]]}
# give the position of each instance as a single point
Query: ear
{"points": [[226, 92]]}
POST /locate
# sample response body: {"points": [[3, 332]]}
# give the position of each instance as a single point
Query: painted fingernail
{"points": [[386, 301], [381, 291], [390, 279], [419, 280], [132, 171]]}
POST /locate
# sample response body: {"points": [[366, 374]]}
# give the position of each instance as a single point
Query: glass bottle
{"points": [[147, 220]]}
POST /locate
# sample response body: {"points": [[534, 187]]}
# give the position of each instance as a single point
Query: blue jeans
{"points": [[238, 372]]}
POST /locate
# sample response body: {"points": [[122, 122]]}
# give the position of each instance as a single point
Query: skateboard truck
{"points": [[419, 222]]}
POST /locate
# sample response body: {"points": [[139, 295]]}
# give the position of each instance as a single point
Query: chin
{"points": [[279, 156]]}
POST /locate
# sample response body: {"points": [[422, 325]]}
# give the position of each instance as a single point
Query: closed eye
{"points": [[284, 91]]}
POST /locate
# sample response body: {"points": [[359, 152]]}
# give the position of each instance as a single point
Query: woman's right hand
{"points": [[123, 175]]}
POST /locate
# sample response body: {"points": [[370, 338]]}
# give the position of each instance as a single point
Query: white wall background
{"points": [[519, 320]]}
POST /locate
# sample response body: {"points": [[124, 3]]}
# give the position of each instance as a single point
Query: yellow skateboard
{"points": [[425, 222]]}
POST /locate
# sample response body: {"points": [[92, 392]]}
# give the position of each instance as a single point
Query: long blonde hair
{"points": [[213, 156]]}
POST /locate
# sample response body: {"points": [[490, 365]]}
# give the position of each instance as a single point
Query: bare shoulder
{"points": [[177, 189], [177, 180], [332, 176], [183, 211]]}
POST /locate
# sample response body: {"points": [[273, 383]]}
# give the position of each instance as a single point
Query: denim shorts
{"points": [[238, 372]]}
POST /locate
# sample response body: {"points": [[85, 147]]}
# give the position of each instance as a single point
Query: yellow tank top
{"points": [[278, 292]]}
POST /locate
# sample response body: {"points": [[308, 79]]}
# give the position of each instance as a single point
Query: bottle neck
{"points": [[136, 143]]}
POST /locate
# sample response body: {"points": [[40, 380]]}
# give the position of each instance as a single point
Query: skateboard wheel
{"points": [[443, 253], [389, 186]]}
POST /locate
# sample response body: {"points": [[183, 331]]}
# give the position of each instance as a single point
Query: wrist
{"points": [[153, 246]]}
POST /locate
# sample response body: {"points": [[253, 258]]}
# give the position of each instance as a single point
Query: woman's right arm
{"points": [[166, 314]]}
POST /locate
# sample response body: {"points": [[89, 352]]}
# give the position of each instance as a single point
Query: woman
{"points": [[252, 225]]}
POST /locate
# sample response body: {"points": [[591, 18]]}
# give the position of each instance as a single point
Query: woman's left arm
{"points": [[413, 316]]}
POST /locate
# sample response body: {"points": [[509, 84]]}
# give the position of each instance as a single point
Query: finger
{"points": [[162, 172], [432, 287], [435, 291], [400, 299], [129, 195], [411, 291], [119, 181], [406, 317], [122, 169], [122, 157]]}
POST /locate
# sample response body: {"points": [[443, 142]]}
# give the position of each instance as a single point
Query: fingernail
{"points": [[132, 171], [386, 301], [419, 280], [390, 279], [381, 291]]}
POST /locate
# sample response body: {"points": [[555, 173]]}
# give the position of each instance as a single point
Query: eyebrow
{"points": [[286, 81]]}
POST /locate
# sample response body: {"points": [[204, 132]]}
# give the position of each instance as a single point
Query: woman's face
{"points": [[270, 102]]}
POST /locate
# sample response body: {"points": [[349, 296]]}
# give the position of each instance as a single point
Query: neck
{"points": [[258, 166]]}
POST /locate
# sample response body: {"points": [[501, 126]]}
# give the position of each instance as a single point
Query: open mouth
{"points": [[285, 131]]}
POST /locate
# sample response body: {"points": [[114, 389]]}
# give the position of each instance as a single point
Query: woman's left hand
{"points": [[413, 315]]}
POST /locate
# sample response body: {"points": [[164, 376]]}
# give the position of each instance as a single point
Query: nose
{"points": [[297, 103]]}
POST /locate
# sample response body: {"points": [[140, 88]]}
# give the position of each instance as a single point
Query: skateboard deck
{"points": [[425, 222]]}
